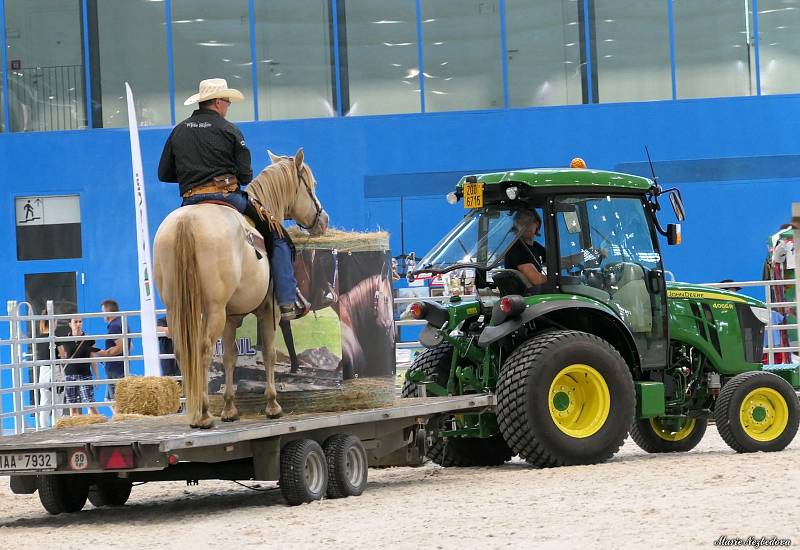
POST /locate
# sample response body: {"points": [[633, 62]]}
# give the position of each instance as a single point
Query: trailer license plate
{"points": [[27, 461], [473, 195]]}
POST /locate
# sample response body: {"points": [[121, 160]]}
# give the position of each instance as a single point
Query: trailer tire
{"points": [[565, 397], [62, 493], [454, 452], [110, 493], [757, 411], [347, 466], [651, 437], [304, 472]]}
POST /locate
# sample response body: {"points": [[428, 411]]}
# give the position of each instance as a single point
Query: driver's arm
{"points": [[532, 274]]}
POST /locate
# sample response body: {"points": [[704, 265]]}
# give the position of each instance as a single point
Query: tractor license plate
{"points": [[17, 462], [473, 195]]}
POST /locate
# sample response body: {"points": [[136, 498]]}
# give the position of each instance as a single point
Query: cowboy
{"points": [[207, 156]]}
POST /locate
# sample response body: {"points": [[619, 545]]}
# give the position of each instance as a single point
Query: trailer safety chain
{"points": [[256, 488]]}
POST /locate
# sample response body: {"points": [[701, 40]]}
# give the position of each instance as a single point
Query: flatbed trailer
{"points": [[310, 455]]}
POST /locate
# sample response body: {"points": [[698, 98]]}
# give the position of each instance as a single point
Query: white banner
{"points": [[152, 366]]}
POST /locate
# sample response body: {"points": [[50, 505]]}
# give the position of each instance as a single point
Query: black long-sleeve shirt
{"points": [[204, 146]]}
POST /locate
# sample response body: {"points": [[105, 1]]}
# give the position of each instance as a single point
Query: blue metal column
{"points": [[420, 58], [251, 7], [87, 65], [170, 64], [756, 42], [4, 60], [672, 48], [504, 51], [337, 68]]}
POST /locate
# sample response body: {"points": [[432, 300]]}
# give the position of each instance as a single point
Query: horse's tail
{"points": [[185, 318]]}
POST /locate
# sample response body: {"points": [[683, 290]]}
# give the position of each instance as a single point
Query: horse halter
{"points": [[319, 210]]}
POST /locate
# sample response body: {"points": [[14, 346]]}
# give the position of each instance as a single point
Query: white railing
{"points": [[26, 368]]}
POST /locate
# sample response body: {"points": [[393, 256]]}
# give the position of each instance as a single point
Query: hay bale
{"points": [[80, 420], [148, 395], [343, 241]]}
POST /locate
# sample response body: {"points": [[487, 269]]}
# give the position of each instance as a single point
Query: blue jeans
{"points": [[237, 199], [283, 273]]}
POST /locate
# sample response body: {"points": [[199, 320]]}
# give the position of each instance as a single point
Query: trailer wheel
{"points": [[454, 452], [62, 493], [565, 397], [110, 493], [656, 436], [347, 466], [304, 471], [757, 411]]}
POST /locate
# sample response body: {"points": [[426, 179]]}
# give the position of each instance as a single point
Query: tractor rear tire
{"points": [[651, 436], [110, 493], [454, 452], [757, 411], [62, 493], [565, 397]]}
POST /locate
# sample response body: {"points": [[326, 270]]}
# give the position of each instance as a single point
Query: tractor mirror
{"points": [[677, 205], [572, 222], [673, 233]]}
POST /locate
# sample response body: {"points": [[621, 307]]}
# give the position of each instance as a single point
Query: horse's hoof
{"points": [[274, 412], [232, 417], [204, 423]]}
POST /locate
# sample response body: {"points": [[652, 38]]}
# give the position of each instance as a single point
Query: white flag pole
{"points": [[146, 294]]}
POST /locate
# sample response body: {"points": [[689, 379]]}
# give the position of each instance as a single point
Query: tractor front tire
{"points": [[654, 436], [757, 411], [565, 397], [451, 451]]}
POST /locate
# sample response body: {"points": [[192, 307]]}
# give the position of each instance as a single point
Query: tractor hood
{"points": [[678, 291]]}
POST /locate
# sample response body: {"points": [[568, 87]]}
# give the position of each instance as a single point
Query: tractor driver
{"points": [[526, 255]]}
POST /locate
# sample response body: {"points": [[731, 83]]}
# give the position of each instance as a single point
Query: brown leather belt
{"points": [[226, 183]]}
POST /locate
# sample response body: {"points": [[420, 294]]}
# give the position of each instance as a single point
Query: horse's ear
{"points": [[273, 157], [298, 158]]}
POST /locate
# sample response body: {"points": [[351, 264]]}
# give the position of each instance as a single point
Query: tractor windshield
{"points": [[480, 240]]}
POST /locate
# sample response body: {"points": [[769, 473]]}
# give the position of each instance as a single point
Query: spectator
{"points": [[169, 367], [114, 369], [78, 372]]}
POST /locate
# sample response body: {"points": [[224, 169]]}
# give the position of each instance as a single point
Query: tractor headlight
{"points": [[452, 198], [512, 193], [761, 313]]}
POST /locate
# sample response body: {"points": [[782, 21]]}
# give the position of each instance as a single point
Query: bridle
{"points": [[319, 210]]}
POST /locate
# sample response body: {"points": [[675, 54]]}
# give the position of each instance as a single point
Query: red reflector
{"points": [[173, 459], [116, 458], [505, 305], [417, 310]]}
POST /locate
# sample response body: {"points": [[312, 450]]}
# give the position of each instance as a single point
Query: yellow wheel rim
{"points": [[579, 400], [668, 435], [764, 414]]}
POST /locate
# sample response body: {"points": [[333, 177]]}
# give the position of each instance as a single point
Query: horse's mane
{"points": [[271, 188], [360, 299]]}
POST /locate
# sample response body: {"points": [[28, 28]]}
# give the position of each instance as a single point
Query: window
{"points": [[45, 59], [462, 55], [712, 63], [293, 54], [211, 39], [779, 45], [544, 57], [123, 27], [48, 228], [632, 43], [382, 61]]}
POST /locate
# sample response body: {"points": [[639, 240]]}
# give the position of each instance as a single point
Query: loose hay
{"points": [[147, 395], [345, 241], [81, 420], [124, 417]]}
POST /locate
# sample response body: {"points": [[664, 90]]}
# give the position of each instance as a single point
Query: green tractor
{"points": [[600, 345]]}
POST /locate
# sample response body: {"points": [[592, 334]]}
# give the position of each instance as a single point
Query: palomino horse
{"points": [[210, 278]]}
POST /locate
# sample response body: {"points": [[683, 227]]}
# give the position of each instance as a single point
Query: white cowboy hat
{"points": [[214, 88]]}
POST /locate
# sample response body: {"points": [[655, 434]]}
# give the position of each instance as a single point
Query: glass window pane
{"points": [[45, 59], [779, 45], [293, 50], [632, 45], [544, 58], [382, 60], [462, 55], [711, 63], [211, 39], [124, 25], [48, 228]]}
